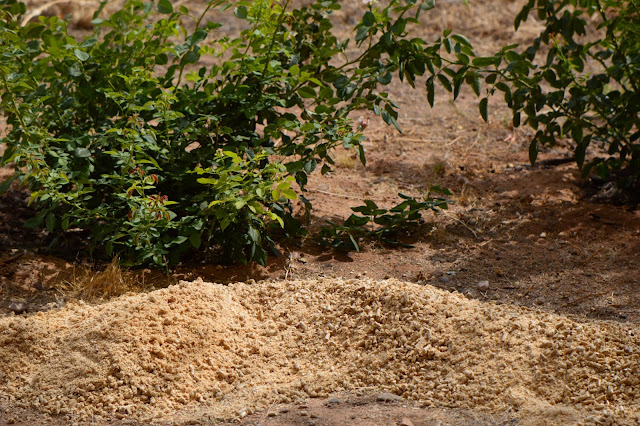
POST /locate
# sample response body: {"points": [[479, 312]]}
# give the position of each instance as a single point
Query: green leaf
{"points": [[580, 153], [355, 245], [484, 109], [476, 84], [4, 186], [83, 56], [428, 5], [82, 153], [385, 78], [51, 222], [368, 19], [195, 240], [253, 234], [362, 33], [444, 81], [484, 61], [289, 194], [577, 133], [533, 151], [307, 92], [165, 7], [430, 91], [241, 12]]}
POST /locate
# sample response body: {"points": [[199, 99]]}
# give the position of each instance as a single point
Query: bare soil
{"points": [[540, 300]]}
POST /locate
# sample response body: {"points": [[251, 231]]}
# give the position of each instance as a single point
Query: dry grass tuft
{"points": [[345, 160], [110, 282]]}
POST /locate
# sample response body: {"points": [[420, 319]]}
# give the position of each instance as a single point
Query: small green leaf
{"points": [[82, 153], [4, 186], [483, 61], [476, 84], [580, 152], [253, 234], [355, 244], [83, 56], [369, 19], [289, 194], [307, 92], [241, 12], [444, 81], [195, 240], [428, 5], [484, 109], [165, 7], [51, 222], [430, 91], [362, 33], [533, 151], [385, 78]]}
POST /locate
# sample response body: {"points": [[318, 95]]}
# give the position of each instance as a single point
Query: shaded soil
{"points": [[538, 237]]}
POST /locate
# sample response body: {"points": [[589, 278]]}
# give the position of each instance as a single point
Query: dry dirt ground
{"points": [[537, 324]]}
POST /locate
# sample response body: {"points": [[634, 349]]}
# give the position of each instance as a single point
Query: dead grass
{"points": [[109, 282]]}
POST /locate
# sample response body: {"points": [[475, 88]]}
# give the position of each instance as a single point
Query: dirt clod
{"points": [[388, 397]]}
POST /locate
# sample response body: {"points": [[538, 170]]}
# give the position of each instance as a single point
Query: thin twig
{"points": [[460, 221], [592, 256], [11, 258], [528, 290], [343, 195]]}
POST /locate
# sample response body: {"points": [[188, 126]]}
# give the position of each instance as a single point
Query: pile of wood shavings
{"points": [[239, 348]]}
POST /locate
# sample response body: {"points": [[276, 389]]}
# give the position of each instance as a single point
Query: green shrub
{"points": [[125, 134], [587, 88], [380, 224]]}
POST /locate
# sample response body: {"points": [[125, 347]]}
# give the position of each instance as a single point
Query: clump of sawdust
{"points": [[245, 346]]}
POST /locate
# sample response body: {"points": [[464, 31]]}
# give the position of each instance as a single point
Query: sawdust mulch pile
{"points": [[239, 348]]}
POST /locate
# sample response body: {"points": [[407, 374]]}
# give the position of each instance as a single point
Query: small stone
{"points": [[242, 413], [304, 413], [334, 401], [388, 397], [303, 260], [284, 410], [445, 279], [272, 414], [406, 422], [483, 285], [17, 307], [451, 273], [543, 235]]}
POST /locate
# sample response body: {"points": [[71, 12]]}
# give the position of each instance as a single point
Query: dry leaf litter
{"points": [[239, 348]]}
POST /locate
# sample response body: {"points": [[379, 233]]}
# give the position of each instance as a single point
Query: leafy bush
{"points": [[588, 86], [385, 225], [125, 134]]}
